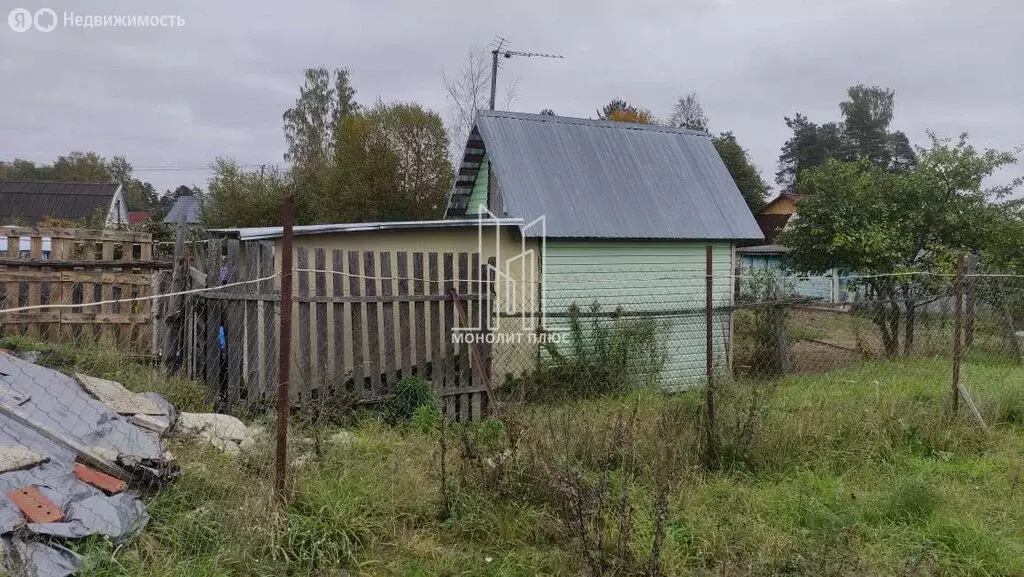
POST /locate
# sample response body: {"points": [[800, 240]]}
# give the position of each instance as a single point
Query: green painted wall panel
{"points": [[478, 198], [665, 280]]}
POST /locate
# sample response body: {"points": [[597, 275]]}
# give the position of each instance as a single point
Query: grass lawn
{"points": [[856, 472]]}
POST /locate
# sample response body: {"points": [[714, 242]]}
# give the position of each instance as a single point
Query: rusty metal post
{"points": [[710, 437], [958, 327], [285, 349]]}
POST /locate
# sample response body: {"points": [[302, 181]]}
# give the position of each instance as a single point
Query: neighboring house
{"points": [[784, 204], [774, 218], [186, 205], [139, 216], [628, 209], [28, 203]]}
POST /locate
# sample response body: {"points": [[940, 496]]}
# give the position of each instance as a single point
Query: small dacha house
{"points": [[628, 211]]}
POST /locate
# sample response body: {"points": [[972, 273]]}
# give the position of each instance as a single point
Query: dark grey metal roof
{"points": [[187, 204], [601, 179], [30, 202]]}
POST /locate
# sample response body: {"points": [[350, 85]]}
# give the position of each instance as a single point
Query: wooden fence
{"points": [[72, 268], [362, 320]]}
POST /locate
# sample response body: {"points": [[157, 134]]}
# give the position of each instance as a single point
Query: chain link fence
{"points": [[392, 332]]}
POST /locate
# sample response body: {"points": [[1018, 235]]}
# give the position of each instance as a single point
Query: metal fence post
{"points": [[284, 356], [710, 438], [958, 326]]}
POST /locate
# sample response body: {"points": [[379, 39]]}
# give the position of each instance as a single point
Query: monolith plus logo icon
{"points": [[514, 288]]}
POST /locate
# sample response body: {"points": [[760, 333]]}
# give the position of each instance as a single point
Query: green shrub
{"points": [[410, 394], [425, 418], [603, 357], [761, 330]]}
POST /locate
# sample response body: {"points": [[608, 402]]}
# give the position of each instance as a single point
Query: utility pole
{"points": [[501, 51]]}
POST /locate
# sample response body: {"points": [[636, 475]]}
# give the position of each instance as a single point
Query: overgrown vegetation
{"points": [[860, 471], [602, 355]]}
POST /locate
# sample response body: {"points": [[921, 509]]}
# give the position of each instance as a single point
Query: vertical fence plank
{"points": [[420, 318], [372, 330], [270, 322], [435, 323], [404, 341], [462, 370], [448, 367], [212, 345], [251, 348], [338, 312], [358, 370], [305, 366], [234, 325], [388, 321], [320, 319]]}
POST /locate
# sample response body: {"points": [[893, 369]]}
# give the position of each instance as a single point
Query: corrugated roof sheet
{"points": [[187, 204], [269, 232], [601, 179], [763, 249], [30, 202]]}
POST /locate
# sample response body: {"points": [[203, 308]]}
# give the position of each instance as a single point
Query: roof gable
{"points": [[186, 205], [31, 202], [601, 179]]}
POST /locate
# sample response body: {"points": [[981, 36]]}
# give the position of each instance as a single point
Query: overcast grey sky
{"points": [[177, 97]]}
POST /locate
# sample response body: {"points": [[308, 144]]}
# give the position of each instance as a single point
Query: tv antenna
{"points": [[501, 50]]}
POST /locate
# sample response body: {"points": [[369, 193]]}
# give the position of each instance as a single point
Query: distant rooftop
{"points": [[187, 204], [31, 202]]}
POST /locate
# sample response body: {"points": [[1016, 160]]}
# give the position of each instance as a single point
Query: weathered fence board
{"points": [[89, 276], [368, 320]]}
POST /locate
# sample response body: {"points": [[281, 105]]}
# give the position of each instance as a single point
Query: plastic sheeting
{"points": [[56, 407]]}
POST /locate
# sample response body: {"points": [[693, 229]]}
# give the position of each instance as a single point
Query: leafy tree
{"points": [[688, 113], [811, 145], [547, 112], [619, 110], [863, 134], [138, 195], [310, 125], [858, 216], [237, 197], [391, 163], [742, 170], [20, 169], [81, 167]]}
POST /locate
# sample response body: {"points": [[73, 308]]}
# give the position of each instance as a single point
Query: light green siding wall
{"points": [[478, 199], [665, 280]]}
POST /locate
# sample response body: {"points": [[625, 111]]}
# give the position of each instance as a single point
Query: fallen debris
{"points": [[13, 458], [51, 427], [102, 481], [35, 506], [225, 432], [119, 399]]}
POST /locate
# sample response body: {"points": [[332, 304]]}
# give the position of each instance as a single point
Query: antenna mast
{"points": [[500, 50]]}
